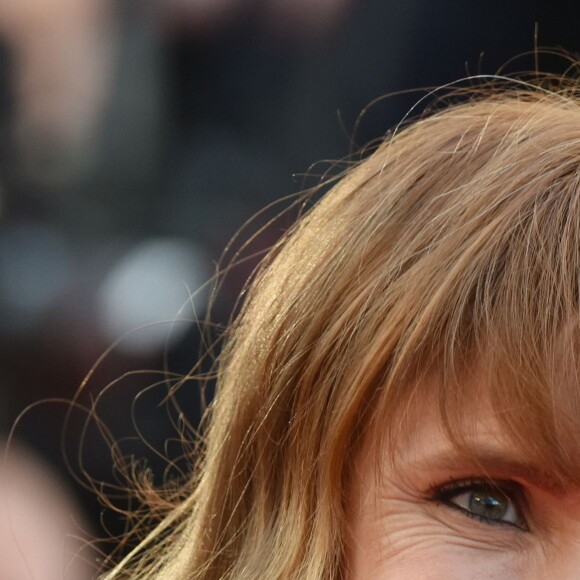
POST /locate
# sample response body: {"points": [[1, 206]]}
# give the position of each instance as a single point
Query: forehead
{"points": [[423, 424], [477, 435]]}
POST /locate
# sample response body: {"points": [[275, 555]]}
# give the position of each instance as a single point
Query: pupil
{"points": [[486, 505]]}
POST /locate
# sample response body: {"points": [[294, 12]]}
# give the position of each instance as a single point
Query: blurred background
{"points": [[136, 138]]}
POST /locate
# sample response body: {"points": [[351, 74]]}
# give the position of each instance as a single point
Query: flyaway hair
{"points": [[455, 246]]}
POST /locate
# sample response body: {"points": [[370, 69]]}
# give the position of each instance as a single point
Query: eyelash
{"points": [[511, 490]]}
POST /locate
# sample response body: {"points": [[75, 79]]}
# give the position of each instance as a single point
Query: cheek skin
{"points": [[409, 543]]}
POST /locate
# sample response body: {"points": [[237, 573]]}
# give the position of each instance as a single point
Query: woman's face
{"points": [[436, 514]]}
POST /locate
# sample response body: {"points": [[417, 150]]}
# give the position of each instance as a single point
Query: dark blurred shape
{"points": [[35, 269]]}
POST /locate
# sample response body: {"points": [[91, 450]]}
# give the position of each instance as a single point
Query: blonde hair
{"points": [[455, 244]]}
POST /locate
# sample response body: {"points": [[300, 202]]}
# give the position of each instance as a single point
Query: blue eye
{"points": [[489, 502]]}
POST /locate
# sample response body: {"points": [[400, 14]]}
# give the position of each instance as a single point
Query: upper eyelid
{"points": [[457, 484], [492, 464]]}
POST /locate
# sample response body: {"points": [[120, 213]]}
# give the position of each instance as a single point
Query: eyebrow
{"points": [[495, 464]]}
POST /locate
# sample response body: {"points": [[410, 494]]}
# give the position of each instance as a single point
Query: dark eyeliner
{"points": [[444, 494]]}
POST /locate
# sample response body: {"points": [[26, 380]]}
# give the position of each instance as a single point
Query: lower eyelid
{"points": [[477, 517], [474, 529]]}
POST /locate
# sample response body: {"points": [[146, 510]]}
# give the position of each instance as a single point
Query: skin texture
{"points": [[400, 531]]}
